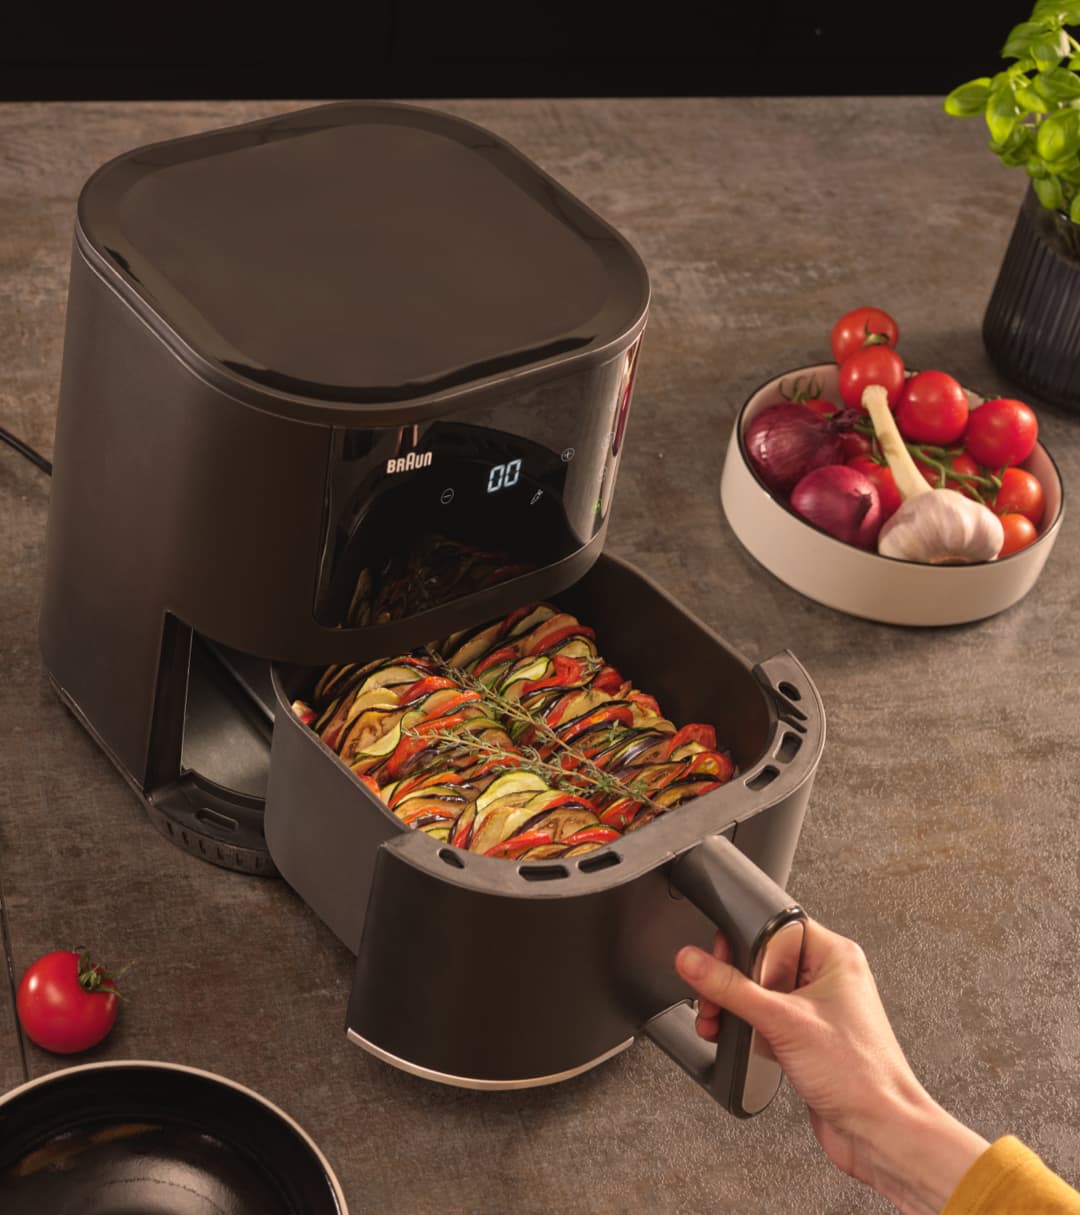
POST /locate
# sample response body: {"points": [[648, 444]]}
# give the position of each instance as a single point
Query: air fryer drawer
{"points": [[491, 972]]}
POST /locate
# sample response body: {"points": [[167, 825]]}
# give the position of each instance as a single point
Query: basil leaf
{"points": [[1050, 193], [1058, 135], [967, 99], [1002, 113], [1074, 209], [1060, 12], [1022, 38], [1035, 167], [1028, 96], [1050, 50], [1058, 84], [1017, 149]]}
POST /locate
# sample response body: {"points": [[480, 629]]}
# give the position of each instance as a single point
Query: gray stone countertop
{"points": [[942, 831]]}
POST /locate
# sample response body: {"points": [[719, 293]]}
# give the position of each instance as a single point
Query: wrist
{"points": [[916, 1153]]}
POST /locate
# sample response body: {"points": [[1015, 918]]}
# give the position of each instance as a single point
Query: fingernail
{"points": [[693, 962]]}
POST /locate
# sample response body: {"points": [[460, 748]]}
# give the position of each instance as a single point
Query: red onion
{"points": [[842, 502], [786, 441]]}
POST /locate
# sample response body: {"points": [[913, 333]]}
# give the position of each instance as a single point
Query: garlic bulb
{"points": [[932, 526], [941, 527]]}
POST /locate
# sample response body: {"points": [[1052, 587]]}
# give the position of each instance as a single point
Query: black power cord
{"points": [[24, 449]]}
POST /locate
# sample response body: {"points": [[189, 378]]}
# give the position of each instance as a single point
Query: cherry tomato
{"points": [[66, 1003], [933, 408], [1000, 432], [1019, 533], [871, 365], [821, 405], [854, 443], [1021, 493], [862, 327], [960, 463], [882, 478]]}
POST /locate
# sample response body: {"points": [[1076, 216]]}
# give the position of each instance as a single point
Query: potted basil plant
{"points": [[1031, 328]]}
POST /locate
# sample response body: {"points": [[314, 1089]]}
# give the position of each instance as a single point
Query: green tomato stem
{"points": [[939, 459]]}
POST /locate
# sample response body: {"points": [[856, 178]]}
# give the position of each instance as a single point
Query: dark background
{"points": [[415, 48]]}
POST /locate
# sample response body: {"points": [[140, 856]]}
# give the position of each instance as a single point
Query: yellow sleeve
{"points": [[1009, 1179]]}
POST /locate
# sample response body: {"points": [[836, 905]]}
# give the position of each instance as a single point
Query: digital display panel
{"points": [[419, 515]]}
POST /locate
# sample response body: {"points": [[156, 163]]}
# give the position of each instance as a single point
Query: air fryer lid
{"points": [[360, 252]]}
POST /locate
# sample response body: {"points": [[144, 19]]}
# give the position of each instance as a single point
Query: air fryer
{"points": [[337, 384]]}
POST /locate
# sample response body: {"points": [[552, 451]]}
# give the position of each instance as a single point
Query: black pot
{"points": [[1032, 324], [151, 1138]]}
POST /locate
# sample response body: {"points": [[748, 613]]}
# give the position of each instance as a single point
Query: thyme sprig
{"points": [[528, 759], [585, 775]]}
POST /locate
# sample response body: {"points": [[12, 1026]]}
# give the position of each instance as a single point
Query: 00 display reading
{"points": [[503, 476]]}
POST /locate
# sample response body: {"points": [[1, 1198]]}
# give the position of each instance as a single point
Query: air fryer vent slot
{"points": [[789, 747], [765, 777], [543, 873], [451, 858], [602, 860], [789, 690]]}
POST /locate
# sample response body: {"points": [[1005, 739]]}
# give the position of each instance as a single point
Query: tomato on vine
{"points": [[1000, 432], [1021, 493], [854, 443], [862, 327], [880, 476], [871, 365], [1019, 533], [958, 463], [933, 408]]}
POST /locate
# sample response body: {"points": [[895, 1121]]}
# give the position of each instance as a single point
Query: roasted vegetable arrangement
{"points": [[513, 740]]}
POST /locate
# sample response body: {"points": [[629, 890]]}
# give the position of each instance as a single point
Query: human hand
{"points": [[832, 1037]]}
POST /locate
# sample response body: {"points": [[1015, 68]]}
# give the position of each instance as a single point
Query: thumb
{"points": [[727, 987]]}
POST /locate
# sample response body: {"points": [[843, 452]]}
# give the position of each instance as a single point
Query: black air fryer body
{"points": [[335, 385]]}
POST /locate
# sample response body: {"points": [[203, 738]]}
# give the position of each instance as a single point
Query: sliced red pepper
{"points": [[498, 764], [519, 843], [695, 732], [646, 702], [609, 680], [592, 835], [423, 687], [619, 813], [407, 749], [515, 616], [370, 782], [613, 712], [568, 673], [455, 702], [421, 781], [421, 807], [558, 710], [715, 763], [552, 638], [503, 654]]}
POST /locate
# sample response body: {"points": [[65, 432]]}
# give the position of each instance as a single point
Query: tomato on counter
{"points": [[67, 1003]]}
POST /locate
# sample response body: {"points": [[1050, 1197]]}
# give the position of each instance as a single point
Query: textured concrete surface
{"points": [[943, 828]]}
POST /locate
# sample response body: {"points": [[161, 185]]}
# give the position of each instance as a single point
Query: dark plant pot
{"points": [[1032, 324]]}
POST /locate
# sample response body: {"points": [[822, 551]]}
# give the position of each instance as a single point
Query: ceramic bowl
{"points": [[863, 583]]}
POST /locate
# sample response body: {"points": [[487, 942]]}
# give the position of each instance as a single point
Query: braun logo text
{"points": [[415, 459]]}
